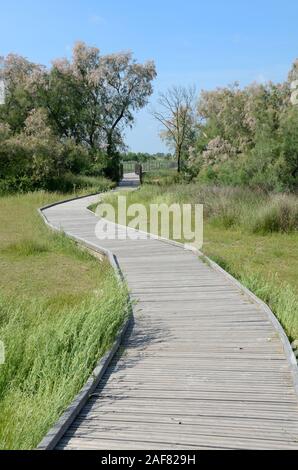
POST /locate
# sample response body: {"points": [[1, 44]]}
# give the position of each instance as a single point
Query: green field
{"points": [[60, 309]]}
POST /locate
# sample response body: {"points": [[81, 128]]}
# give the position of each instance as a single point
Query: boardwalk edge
{"points": [[55, 434], [272, 318]]}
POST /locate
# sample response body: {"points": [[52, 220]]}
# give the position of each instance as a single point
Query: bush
{"points": [[11, 185], [164, 177], [252, 210], [38, 159], [34, 155], [253, 170], [71, 183], [280, 214], [248, 137], [75, 158]]}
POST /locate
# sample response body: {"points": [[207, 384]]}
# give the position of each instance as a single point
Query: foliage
{"points": [[238, 136], [69, 182], [17, 73], [248, 137], [36, 157], [163, 177], [280, 214], [144, 157], [69, 117]]}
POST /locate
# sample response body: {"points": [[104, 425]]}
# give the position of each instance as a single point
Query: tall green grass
{"points": [[66, 183], [76, 183], [163, 177], [60, 309], [50, 352], [251, 210], [278, 214]]}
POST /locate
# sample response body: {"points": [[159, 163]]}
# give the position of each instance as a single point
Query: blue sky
{"points": [[206, 43]]}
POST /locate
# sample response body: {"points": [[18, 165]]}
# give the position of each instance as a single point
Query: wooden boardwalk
{"points": [[202, 366]]}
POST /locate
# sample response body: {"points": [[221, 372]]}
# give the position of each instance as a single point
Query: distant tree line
{"points": [[142, 157], [235, 135], [68, 118]]}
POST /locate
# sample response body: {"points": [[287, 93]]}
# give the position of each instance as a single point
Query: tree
{"points": [[33, 154], [222, 116], [289, 147], [89, 99], [92, 98], [17, 72], [176, 114], [293, 74], [125, 87]]}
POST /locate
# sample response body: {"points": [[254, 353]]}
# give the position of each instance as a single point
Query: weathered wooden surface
{"points": [[202, 366]]}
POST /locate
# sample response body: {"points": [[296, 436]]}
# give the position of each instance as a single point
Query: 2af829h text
{"points": [[150, 459]]}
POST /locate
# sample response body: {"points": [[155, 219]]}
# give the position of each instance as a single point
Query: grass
{"points": [[59, 312], [162, 177], [251, 234], [80, 184], [66, 183]]}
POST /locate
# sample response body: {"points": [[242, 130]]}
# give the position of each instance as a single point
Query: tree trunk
{"points": [[179, 159], [113, 164]]}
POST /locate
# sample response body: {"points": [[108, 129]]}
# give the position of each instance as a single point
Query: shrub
{"points": [[75, 158], [164, 177], [71, 183], [34, 155], [12, 184], [280, 214], [37, 159]]}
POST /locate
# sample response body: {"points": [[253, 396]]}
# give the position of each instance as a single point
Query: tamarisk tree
{"points": [[89, 98], [98, 95]]}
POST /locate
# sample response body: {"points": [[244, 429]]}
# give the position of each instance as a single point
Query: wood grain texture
{"points": [[202, 366]]}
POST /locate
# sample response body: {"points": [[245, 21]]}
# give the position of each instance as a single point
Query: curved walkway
{"points": [[203, 366]]}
